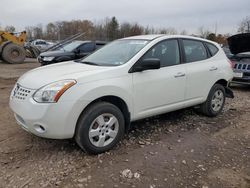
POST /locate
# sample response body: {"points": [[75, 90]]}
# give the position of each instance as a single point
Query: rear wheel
{"points": [[215, 101], [100, 128], [13, 53]]}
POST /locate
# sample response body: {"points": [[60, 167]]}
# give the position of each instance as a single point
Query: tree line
{"points": [[110, 29]]}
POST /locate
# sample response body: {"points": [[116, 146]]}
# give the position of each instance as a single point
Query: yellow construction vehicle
{"points": [[12, 46]]}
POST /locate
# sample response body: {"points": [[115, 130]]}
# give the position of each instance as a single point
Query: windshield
{"points": [[69, 47], [115, 53]]}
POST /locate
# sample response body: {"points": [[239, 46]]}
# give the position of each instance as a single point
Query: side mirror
{"points": [[147, 64]]}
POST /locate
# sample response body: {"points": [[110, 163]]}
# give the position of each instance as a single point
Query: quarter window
{"points": [[194, 50], [212, 48], [167, 51]]}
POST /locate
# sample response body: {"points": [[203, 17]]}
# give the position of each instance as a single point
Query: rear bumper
{"points": [[243, 80]]}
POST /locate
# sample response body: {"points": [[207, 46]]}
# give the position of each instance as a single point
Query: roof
{"points": [[153, 37], [144, 37]]}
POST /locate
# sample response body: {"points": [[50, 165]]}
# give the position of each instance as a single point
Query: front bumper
{"points": [[241, 73], [40, 60], [48, 120]]}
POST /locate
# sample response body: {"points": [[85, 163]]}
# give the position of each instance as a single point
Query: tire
{"points": [[93, 132], [215, 101], [13, 53]]}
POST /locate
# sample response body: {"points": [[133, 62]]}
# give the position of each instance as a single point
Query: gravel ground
{"points": [[178, 149]]}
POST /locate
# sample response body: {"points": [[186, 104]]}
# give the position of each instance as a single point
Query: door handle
{"points": [[213, 68], [179, 74]]}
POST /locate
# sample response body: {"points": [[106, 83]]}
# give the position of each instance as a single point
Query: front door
{"points": [[161, 90]]}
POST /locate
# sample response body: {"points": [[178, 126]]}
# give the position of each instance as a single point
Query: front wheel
{"points": [[13, 53], [100, 128], [215, 101]]}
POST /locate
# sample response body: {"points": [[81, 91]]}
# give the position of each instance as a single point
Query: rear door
{"points": [[200, 70], [161, 90]]}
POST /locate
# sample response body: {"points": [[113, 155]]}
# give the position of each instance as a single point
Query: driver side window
{"points": [[166, 51], [87, 47]]}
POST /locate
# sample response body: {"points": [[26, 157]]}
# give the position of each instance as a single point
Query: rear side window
{"points": [[167, 51], [194, 50], [212, 48]]}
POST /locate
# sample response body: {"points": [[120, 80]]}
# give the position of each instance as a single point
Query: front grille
{"points": [[241, 66], [246, 74], [20, 93]]}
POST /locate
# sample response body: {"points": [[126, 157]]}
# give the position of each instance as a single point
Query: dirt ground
{"points": [[178, 149]]}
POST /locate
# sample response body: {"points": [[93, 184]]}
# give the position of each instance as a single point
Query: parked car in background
{"points": [[239, 46], [94, 99], [41, 44], [70, 51]]}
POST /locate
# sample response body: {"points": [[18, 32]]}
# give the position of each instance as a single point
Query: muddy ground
{"points": [[178, 149]]}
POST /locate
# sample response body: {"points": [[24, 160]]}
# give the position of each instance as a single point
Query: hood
{"points": [[56, 53], [239, 43], [41, 76]]}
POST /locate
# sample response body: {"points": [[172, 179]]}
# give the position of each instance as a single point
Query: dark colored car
{"points": [[239, 46], [70, 51]]}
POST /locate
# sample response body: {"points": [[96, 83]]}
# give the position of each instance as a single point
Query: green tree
{"points": [[112, 29]]}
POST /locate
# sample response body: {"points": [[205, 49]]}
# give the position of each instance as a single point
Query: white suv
{"points": [[94, 99]]}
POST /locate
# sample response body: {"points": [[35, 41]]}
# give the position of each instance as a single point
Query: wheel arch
{"points": [[223, 82], [118, 102]]}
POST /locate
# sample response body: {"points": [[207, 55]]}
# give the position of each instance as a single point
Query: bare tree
{"points": [[38, 31], [10, 28], [29, 32], [244, 26], [125, 30], [136, 29], [107, 29], [203, 32], [183, 32], [51, 31]]}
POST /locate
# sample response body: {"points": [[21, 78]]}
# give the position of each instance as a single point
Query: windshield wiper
{"points": [[89, 63]]}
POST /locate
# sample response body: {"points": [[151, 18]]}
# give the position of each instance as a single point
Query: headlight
{"points": [[48, 58], [52, 92]]}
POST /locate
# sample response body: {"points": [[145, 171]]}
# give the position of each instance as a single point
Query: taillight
{"points": [[231, 63]]}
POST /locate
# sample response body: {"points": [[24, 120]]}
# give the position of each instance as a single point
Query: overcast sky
{"points": [[180, 14]]}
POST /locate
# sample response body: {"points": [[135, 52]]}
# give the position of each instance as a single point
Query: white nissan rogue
{"points": [[94, 99]]}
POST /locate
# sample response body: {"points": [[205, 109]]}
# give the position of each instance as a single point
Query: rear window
{"points": [[212, 48], [194, 50]]}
